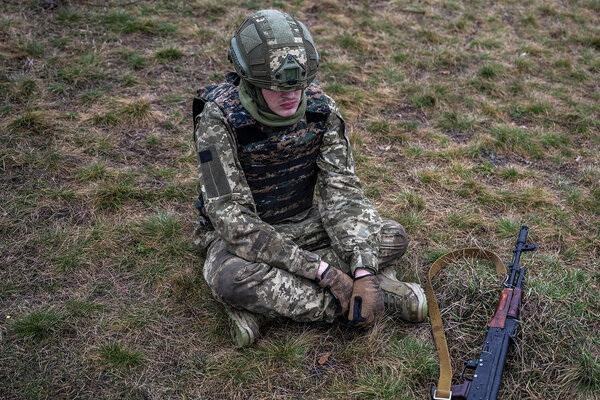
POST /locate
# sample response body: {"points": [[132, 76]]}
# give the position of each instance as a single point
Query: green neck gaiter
{"points": [[254, 102]]}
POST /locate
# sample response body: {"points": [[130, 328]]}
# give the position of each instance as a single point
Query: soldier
{"points": [[287, 229]]}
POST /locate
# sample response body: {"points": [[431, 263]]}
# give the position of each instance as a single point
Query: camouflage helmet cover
{"points": [[273, 50]]}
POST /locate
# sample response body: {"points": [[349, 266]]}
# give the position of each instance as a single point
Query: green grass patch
{"points": [[161, 226], [464, 220], [136, 110], [122, 22], [591, 40], [411, 220], [588, 370], [69, 259], [252, 365], [81, 71], [453, 121], [57, 88], [411, 200], [526, 197], [83, 308], [109, 118], [423, 100], [520, 111], [32, 122], [91, 96], [129, 80], [594, 201], [153, 140], [486, 43], [34, 48], [491, 71], [560, 284], [338, 88], [349, 42], [391, 76], [136, 61], [59, 193], [111, 195], [68, 15], [431, 255], [379, 127], [517, 140], [379, 382], [452, 60], [420, 363], [168, 54], [92, 172], [117, 356], [400, 57], [430, 177], [139, 110], [338, 71], [20, 91], [38, 325], [507, 227]]}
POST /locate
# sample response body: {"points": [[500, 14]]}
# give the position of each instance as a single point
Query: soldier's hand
{"points": [[339, 284], [366, 303]]}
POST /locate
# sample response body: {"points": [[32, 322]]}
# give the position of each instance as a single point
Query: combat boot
{"points": [[243, 326], [405, 299]]}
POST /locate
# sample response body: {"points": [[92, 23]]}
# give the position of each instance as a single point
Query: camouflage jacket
{"points": [[349, 218]]}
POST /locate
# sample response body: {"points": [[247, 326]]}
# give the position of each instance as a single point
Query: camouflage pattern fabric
{"points": [[275, 293], [279, 163], [273, 50], [352, 227]]}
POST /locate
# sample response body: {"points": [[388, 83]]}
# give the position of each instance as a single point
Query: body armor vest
{"points": [[279, 162]]}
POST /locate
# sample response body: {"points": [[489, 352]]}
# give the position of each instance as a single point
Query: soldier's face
{"points": [[283, 104]]}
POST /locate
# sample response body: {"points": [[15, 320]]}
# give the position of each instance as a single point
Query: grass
{"points": [[467, 119], [31, 123], [168, 54], [37, 325], [92, 172], [117, 356], [122, 22]]}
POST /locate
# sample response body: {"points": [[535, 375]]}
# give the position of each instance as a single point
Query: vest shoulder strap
{"points": [[319, 105], [226, 96]]}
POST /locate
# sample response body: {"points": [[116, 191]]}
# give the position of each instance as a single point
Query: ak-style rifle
{"points": [[481, 377]]}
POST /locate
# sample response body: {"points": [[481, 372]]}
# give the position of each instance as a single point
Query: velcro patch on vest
{"points": [[213, 175]]}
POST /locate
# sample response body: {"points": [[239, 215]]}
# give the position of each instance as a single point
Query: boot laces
{"points": [[394, 302]]}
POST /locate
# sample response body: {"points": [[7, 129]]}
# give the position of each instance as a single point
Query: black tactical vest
{"points": [[279, 163]]}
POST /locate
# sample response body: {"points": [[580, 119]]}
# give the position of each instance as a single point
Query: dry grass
{"points": [[468, 118]]}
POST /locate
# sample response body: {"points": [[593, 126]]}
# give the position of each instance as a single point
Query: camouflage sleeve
{"points": [[350, 219], [230, 206]]}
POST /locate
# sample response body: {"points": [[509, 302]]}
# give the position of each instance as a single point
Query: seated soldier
{"points": [[286, 226]]}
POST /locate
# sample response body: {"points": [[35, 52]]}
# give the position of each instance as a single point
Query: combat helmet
{"points": [[273, 50]]}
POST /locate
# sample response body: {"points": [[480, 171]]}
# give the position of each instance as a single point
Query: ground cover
{"points": [[467, 119]]}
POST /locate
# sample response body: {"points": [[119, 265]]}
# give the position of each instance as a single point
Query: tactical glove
{"points": [[366, 303], [339, 284]]}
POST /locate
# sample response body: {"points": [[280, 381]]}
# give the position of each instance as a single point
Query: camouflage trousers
{"points": [[274, 292]]}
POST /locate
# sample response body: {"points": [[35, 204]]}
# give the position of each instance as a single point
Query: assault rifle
{"points": [[481, 377]]}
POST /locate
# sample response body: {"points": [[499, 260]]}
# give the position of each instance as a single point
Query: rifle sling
{"points": [[445, 380]]}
